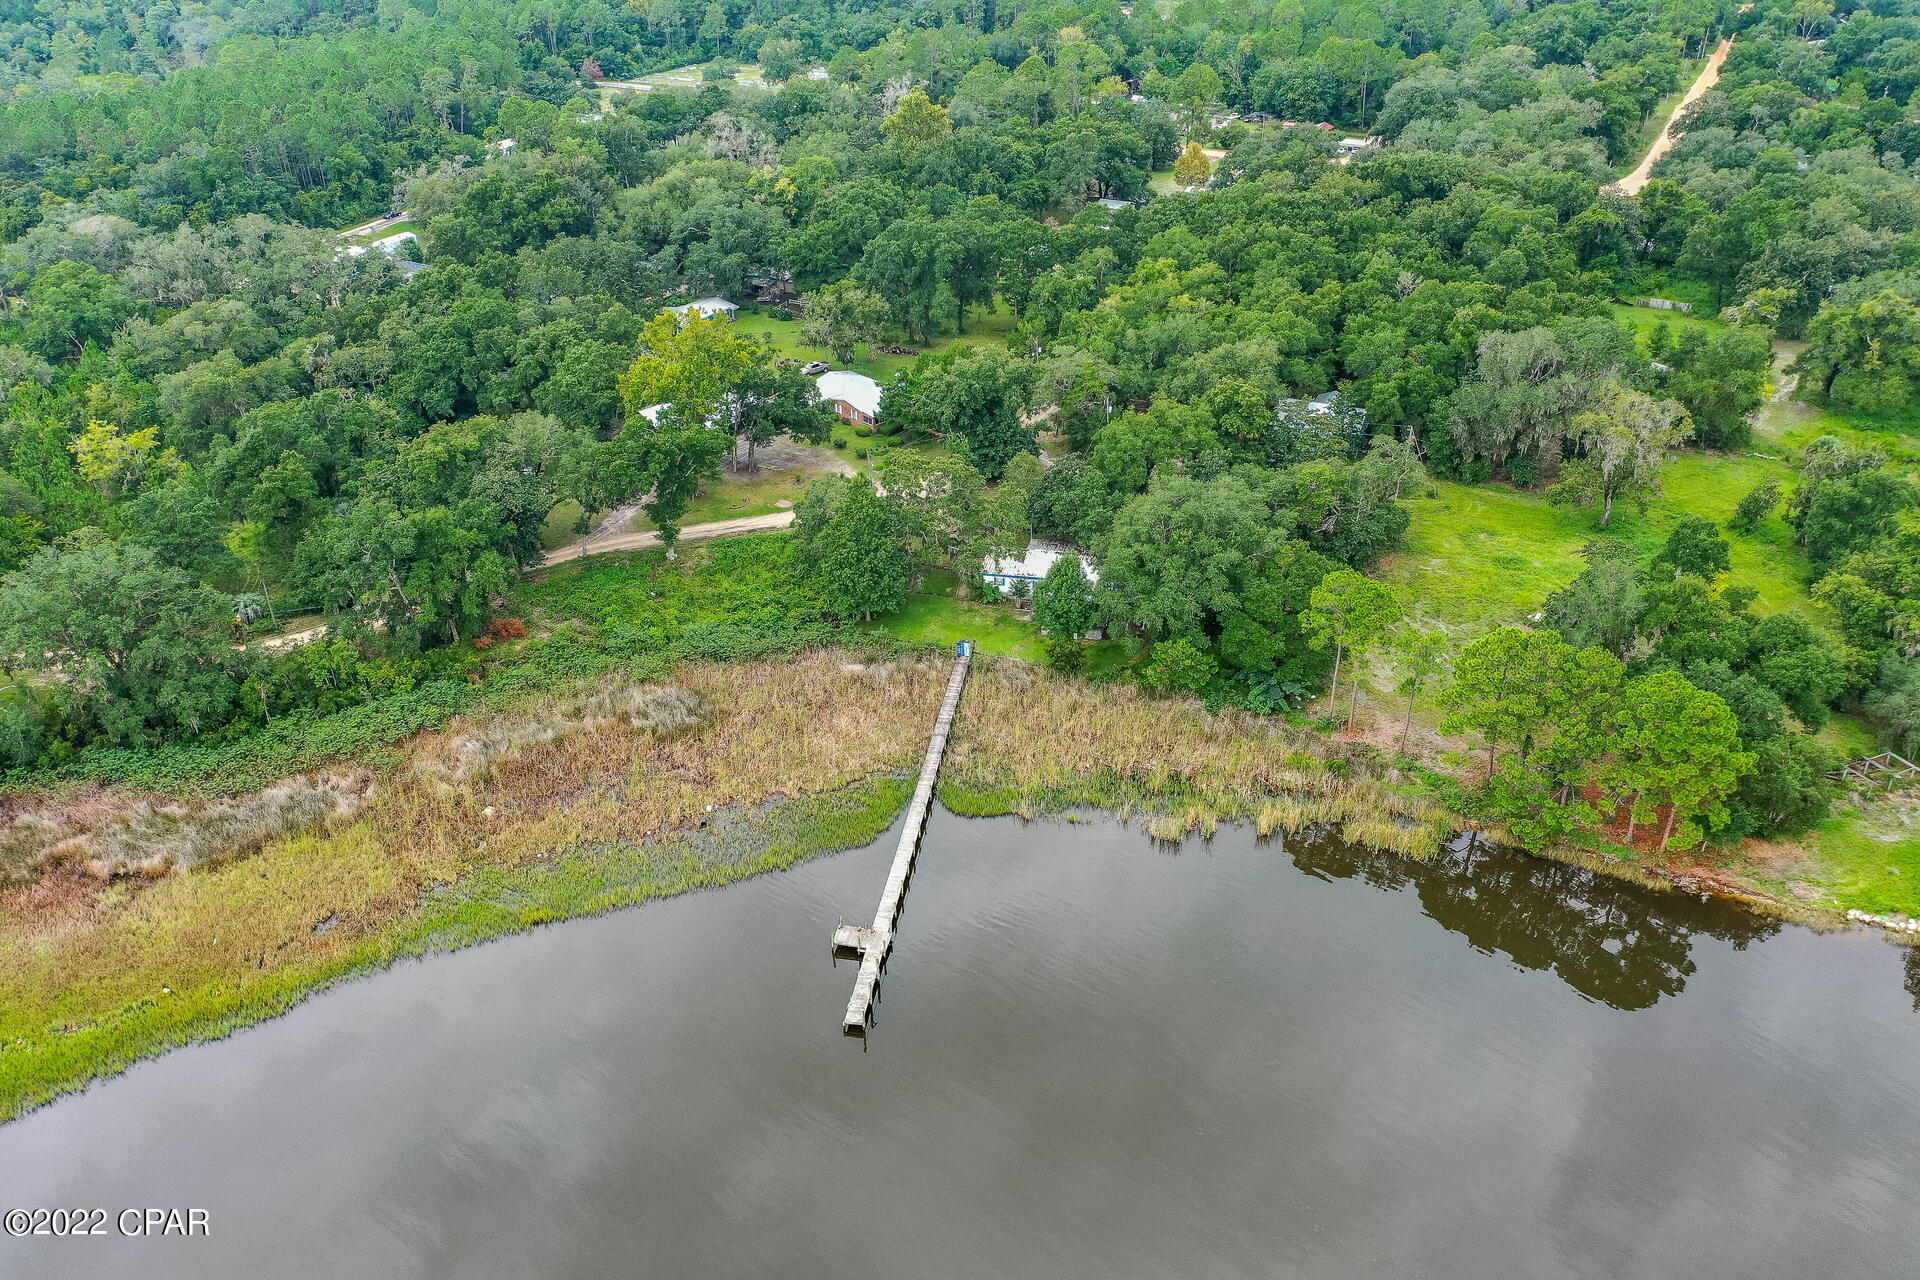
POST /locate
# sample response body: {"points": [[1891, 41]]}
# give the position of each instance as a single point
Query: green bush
{"points": [[839, 442], [863, 431], [1068, 657], [1179, 666]]}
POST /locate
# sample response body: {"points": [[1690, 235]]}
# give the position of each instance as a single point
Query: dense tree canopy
{"points": [[208, 390]]}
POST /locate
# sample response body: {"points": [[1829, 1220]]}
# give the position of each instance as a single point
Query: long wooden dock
{"points": [[874, 942]]}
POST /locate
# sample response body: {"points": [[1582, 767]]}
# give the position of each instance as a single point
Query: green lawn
{"points": [[935, 616], [394, 230], [1482, 556], [735, 495], [1663, 284], [562, 525], [1644, 320], [1868, 858], [687, 79], [784, 334], [1479, 557], [1849, 735]]}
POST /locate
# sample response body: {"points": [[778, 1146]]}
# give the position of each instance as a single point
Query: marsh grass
{"points": [[1029, 744], [152, 838], [477, 751]]}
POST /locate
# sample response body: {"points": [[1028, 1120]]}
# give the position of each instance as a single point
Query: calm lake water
{"points": [[1095, 1058]]}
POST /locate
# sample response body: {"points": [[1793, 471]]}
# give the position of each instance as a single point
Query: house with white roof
{"points": [[707, 308], [388, 245], [1007, 572], [854, 396]]}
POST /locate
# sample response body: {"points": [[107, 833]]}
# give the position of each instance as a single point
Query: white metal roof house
{"points": [[388, 245], [854, 396], [1005, 571], [707, 307]]}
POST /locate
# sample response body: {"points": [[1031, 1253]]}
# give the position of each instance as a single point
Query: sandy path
{"points": [[1709, 76], [593, 546], [380, 223]]}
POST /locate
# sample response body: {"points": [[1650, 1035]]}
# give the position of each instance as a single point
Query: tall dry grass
{"points": [[149, 837], [1029, 742], [578, 769]]}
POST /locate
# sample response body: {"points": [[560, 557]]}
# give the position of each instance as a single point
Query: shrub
{"points": [[1068, 657], [1755, 507], [839, 442], [863, 431], [504, 629], [1179, 666]]}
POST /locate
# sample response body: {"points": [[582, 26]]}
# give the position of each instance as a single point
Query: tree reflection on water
{"points": [[1615, 942]]}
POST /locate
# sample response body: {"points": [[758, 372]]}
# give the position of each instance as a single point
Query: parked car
{"points": [[816, 368]]}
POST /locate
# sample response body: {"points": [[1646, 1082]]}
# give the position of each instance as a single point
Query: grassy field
{"points": [[1482, 556], [687, 79], [1662, 284], [936, 617], [1644, 320], [1868, 857], [784, 334], [398, 228], [737, 494]]}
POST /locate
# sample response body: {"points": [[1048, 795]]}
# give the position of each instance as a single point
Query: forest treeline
{"points": [[212, 411]]}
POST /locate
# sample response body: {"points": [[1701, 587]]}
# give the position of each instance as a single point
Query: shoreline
{"points": [[616, 878], [613, 878], [575, 817]]}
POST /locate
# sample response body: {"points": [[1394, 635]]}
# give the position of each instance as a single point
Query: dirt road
{"points": [[634, 541], [1709, 76], [630, 541]]}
